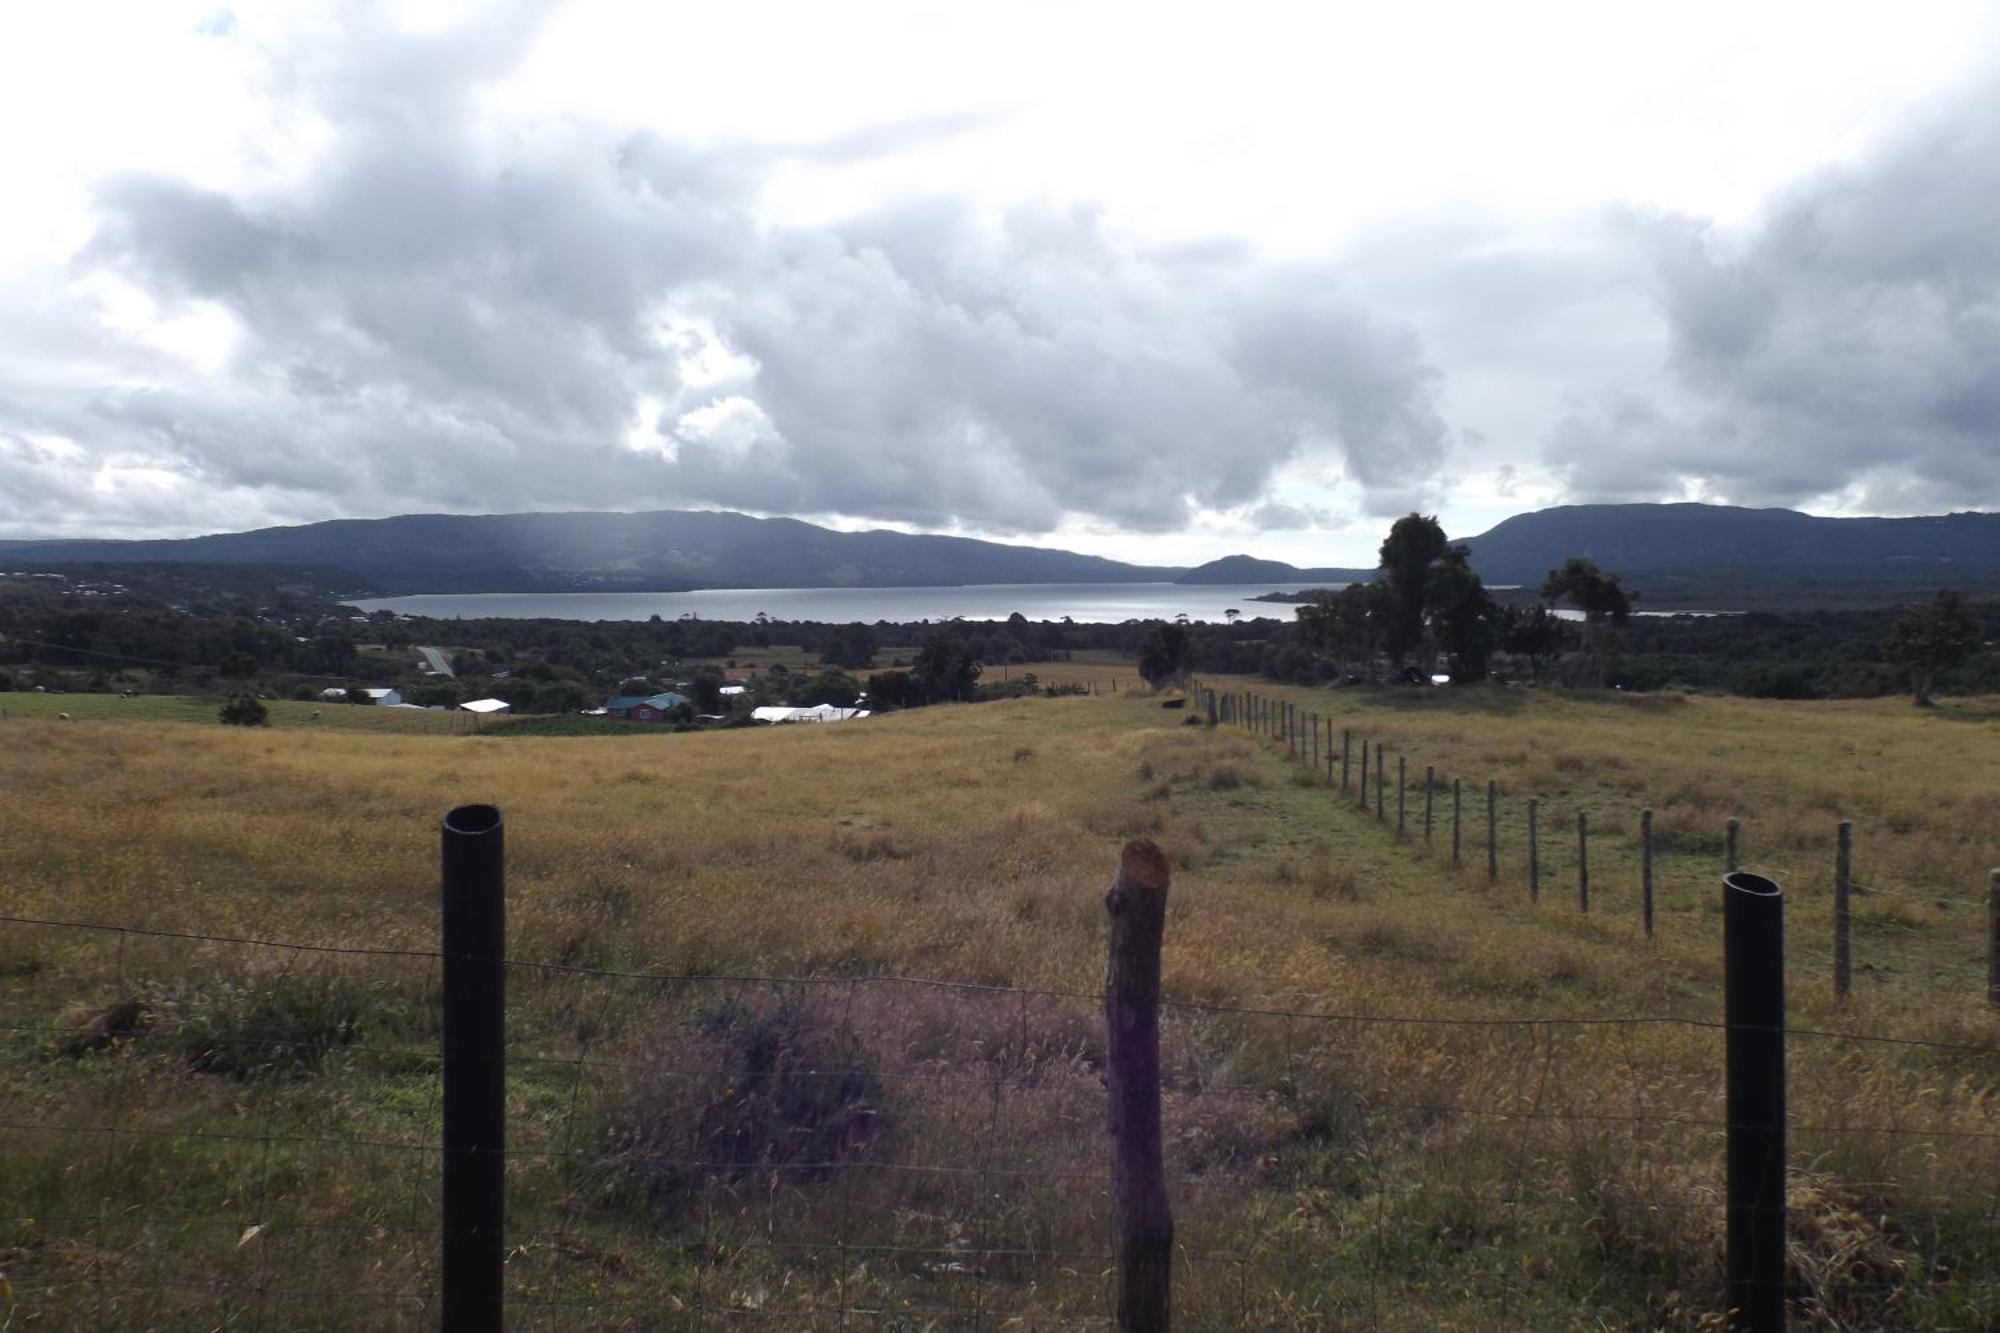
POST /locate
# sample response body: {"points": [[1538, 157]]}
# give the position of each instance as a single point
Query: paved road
{"points": [[439, 662]]}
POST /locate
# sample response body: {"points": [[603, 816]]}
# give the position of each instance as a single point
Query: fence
{"points": [[258, 1130], [1300, 733]]}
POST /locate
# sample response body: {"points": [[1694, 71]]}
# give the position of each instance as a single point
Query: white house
{"points": [[487, 707], [382, 698], [821, 713]]}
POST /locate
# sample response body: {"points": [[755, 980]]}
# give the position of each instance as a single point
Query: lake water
{"points": [[1104, 603]]}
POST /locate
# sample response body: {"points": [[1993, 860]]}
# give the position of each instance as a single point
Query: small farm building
{"points": [[651, 708]]}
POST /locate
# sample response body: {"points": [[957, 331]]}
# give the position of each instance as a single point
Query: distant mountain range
{"points": [[663, 551], [1675, 554]]}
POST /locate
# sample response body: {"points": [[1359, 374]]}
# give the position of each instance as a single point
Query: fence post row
{"points": [[1142, 1219], [474, 929], [1753, 989]]}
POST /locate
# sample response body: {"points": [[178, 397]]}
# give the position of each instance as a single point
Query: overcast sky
{"points": [[1162, 284]]}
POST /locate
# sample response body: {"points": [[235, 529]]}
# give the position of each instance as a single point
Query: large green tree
{"points": [[1928, 639], [1163, 656], [945, 669], [1462, 616], [1606, 604], [1414, 544]]}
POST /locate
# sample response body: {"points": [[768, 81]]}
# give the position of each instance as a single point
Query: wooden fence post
{"points": [[1646, 869], [1402, 787], [1843, 871], [1364, 775], [1457, 811], [1142, 1220], [1381, 780], [1582, 861], [1993, 938], [1730, 838], [1346, 738], [1430, 782], [1492, 830], [1534, 851], [1315, 744]]}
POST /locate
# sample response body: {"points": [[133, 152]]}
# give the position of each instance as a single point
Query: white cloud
{"points": [[1097, 273]]}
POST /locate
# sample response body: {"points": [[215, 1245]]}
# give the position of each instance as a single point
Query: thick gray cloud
{"points": [[1849, 346], [439, 319]]}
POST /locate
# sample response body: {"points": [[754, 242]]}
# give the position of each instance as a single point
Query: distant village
{"points": [[662, 708]]}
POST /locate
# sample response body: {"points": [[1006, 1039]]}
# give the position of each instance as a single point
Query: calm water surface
{"points": [[1086, 602]]}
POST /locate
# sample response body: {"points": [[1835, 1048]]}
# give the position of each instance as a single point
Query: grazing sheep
{"points": [[315, 714], [64, 717]]}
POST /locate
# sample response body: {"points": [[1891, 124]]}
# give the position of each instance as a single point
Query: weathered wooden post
{"points": [[1534, 851], [1402, 787], [1430, 784], [1753, 1010], [1142, 1220], [1993, 938], [1843, 870], [1730, 836], [1346, 738], [1582, 861], [1457, 811], [1381, 781], [1492, 830], [1364, 775], [1315, 744], [1646, 869]]}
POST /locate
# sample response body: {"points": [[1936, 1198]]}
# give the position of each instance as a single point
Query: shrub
{"points": [[774, 1082], [285, 1024], [244, 710]]}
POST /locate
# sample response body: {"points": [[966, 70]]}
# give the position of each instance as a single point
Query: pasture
{"points": [[1391, 1101]]}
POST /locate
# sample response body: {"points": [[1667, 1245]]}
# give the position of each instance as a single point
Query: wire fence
{"points": [[210, 1129], [1480, 824]]}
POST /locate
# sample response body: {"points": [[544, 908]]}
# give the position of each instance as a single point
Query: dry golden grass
{"points": [[1461, 1171]]}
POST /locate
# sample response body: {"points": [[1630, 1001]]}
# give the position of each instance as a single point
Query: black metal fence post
{"points": [[475, 991], [1753, 936]]}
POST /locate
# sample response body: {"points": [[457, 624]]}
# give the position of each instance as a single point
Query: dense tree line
{"points": [[1427, 610]]}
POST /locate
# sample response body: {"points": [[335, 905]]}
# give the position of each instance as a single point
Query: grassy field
{"points": [[285, 713], [240, 1140]]}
